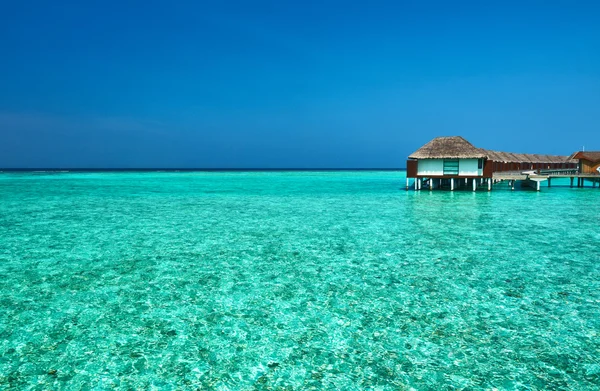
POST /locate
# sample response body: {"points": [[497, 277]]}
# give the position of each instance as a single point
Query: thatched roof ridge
{"points": [[453, 147]]}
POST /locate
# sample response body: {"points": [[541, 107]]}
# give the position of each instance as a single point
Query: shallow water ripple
{"points": [[294, 281]]}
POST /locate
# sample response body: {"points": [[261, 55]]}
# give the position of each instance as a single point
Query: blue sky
{"points": [[272, 84]]}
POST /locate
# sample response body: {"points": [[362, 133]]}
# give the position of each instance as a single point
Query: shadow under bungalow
{"points": [[454, 163]]}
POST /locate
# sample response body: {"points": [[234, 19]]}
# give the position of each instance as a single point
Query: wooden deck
{"points": [[543, 175], [509, 176], [534, 178]]}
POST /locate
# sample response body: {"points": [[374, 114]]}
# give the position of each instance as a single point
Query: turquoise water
{"points": [[294, 281]]}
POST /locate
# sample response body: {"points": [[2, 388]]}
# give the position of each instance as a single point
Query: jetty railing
{"points": [[559, 171]]}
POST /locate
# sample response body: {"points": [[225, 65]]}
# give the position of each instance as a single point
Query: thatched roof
{"points": [[454, 147], [507, 157], [592, 156]]}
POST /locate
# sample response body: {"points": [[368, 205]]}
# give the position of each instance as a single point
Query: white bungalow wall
{"points": [[468, 167], [431, 167], [434, 167]]}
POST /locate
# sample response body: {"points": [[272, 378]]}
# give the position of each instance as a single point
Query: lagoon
{"points": [[293, 281]]}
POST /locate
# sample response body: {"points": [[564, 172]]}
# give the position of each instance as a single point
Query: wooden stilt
{"points": [[451, 184], [474, 184], [489, 181], [571, 181]]}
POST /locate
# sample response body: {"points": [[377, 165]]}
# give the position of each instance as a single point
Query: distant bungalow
{"points": [[589, 162], [454, 162]]}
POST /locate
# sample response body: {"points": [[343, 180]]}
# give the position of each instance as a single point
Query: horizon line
{"points": [[155, 169]]}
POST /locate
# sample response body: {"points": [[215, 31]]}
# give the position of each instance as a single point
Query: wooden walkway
{"points": [[531, 179], [534, 178], [523, 174]]}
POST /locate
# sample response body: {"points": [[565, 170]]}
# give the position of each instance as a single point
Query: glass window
{"points": [[450, 166]]}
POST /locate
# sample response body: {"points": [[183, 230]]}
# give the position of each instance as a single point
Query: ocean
{"points": [[303, 280]]}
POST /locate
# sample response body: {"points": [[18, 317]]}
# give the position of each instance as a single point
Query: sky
{"points": [[286, 84]]}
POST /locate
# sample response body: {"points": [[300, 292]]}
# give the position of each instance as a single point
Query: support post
{"points": [[420, 183], [537, 185], [451, 184], [407, 182], [571, 181], [489, 181], [549, 181], [474, 184]]}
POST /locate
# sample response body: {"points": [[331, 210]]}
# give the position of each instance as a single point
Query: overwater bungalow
{"points": [[589, 161], [454, 162]]}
